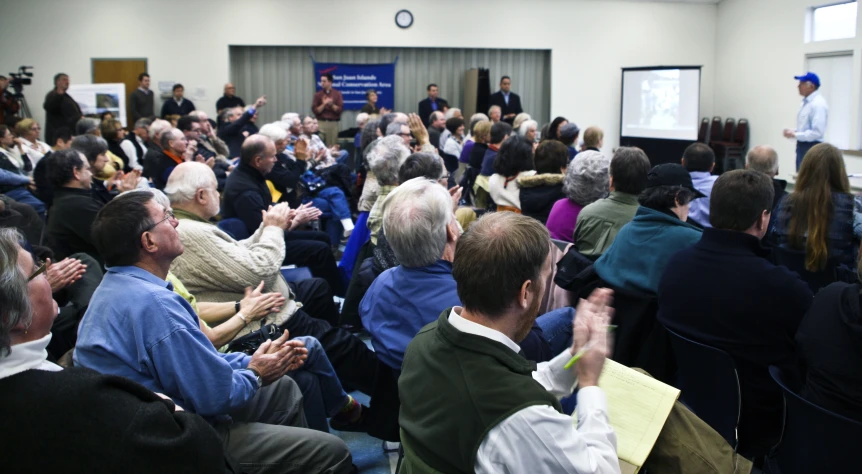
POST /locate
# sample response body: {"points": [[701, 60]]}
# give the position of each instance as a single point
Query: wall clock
{"points": [[404, 19]]}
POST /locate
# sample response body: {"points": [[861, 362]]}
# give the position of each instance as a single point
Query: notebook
{"points": [[638, 407]]}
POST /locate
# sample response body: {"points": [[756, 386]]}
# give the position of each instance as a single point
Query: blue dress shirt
{"points": [[401, 301], [811, 121], [137, 327], [699, 210]]}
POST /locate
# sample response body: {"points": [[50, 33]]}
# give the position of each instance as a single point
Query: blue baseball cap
{"points": [[810, 77]]}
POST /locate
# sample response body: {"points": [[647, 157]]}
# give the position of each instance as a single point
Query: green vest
{"points": [[454, 388]]}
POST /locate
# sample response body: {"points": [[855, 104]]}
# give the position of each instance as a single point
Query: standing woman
{"points": [[370, 107], [28, 133], [819, 215]]}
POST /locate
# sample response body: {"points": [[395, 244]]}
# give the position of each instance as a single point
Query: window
{"points": [[836, 86], [834, 22]]}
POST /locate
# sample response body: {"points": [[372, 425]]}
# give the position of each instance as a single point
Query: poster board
{"points": [[97, 98]]}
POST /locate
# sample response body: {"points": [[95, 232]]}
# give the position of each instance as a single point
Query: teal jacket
{"points": [[642, 248]]}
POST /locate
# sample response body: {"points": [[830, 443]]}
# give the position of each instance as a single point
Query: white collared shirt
{"points": [[27, 356], [35, 150], [538, 439], [812, 117]]}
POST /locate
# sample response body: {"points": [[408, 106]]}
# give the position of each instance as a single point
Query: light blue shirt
{"points": [[811, 121], [138, 328], [506, 97], [699, 209]]}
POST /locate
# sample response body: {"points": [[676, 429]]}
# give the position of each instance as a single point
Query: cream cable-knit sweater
{"points": [[216, 268]]}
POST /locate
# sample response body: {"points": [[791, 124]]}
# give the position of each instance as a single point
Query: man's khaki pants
{"points": [[330, 132]]}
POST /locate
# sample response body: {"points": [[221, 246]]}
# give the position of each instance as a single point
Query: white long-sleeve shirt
{"points": [[538, 439], [812, 117], [132, 153]]}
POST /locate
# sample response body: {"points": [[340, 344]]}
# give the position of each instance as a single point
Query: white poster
{"points": [[97, 98]]}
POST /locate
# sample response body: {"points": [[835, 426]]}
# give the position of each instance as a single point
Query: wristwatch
{"points": [[257, 377]]}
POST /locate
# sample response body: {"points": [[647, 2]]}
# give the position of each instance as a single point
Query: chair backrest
{"points": [[703, 132], [794, 260], [741, 135], [814, 439], [715, 130], [709, 383], [727, 133], [234, 227]]}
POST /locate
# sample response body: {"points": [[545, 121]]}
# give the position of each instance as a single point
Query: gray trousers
{"points": [[270, 435]]}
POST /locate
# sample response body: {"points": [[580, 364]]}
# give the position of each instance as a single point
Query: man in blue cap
{"points": [[811, 120]]}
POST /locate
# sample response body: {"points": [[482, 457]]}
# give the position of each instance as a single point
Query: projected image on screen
{"points": [[661, 103]]}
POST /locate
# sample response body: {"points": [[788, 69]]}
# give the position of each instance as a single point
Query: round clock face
{"points": [[404, 19]]}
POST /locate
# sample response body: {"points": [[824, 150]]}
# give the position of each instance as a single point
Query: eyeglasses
{"points": [[168, 215], [40, 269]]}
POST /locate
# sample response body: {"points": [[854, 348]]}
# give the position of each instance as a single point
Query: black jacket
{"points": [[514, 106], [77, 420], [829, 345], [285, 175], [61, 110], [225, 102], [245, 195], [158, 167], [425, 109], [539, 193], [724, 292], [477, 156], [170, 107], [232, 135], [115, 148], [69, 222]]}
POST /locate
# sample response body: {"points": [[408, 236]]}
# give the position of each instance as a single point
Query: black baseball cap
{"points": [[672, 174]]}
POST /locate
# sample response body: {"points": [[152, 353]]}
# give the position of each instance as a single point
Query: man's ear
{"points": [[148, 244], [452, 233], [523, 295]]}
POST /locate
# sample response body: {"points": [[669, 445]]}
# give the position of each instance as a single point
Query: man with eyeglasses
{"points": [[137, 327]]}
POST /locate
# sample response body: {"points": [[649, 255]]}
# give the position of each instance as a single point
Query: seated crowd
{"points": [[147, 288]]}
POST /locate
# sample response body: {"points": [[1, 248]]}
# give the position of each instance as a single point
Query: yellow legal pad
{"points": [[638, 407]]}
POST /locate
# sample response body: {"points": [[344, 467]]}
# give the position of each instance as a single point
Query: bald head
{"points": [[187, 179], [763, 158], [229, 90], [258, 151]]}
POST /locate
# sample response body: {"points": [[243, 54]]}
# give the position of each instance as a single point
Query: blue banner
{"points": [[354, 80]]}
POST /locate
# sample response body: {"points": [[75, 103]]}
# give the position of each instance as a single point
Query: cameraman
{"points": [[9, 105], [61, 110]]}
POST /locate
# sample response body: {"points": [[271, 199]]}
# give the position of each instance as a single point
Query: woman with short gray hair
{"points": [[385, 160], [586, 181]]}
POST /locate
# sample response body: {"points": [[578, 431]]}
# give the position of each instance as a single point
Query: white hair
{"points": [[386, 158], [415, 217], [197, 114], [273, 131], [494, 107], [451, 112], [282, 125], [586, 178], [186, 179], [519, 119], [401, 117], [289, 116], [526, 125], [158, 127], [478, 117], [361, 119]]}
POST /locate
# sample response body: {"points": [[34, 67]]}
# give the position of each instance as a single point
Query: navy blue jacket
{"points": [[726, 293]]}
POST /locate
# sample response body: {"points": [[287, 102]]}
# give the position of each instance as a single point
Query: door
{"points": [[123, 71]]}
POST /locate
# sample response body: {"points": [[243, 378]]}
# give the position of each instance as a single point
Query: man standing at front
{"points": [[432, 103], [812, 117], [141, 99], [501, 413], [327, 107], [508, 101]]}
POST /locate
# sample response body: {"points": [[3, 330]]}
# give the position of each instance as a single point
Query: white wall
{"points": [[760, 48], [188, 40]]}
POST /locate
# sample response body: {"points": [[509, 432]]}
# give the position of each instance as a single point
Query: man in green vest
{"points": [[470, 402]]}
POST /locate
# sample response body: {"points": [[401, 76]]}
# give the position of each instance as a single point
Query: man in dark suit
{"points": [[141, 99], [508, 101], [724, 292], [431, 104], [177, 105]]}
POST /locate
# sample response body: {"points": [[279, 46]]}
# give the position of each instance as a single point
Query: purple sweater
{"points": [[465, 151], [562, 220]]}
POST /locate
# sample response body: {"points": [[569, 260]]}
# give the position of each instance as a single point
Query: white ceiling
{"points": [[675, 1]]}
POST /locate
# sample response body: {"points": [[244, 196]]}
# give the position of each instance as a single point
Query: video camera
{"points": [[20, 79]]}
